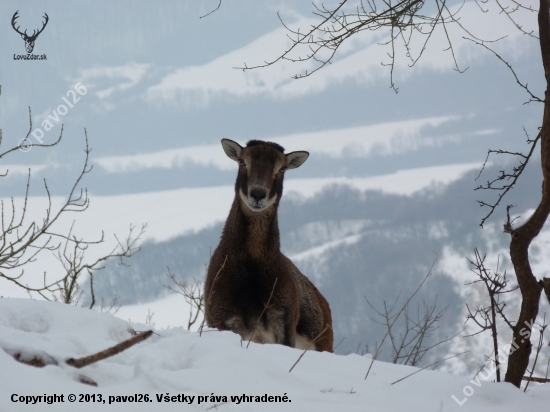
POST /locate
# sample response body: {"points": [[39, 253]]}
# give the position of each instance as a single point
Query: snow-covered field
{"points": [[380, 139], [171, 213], [174, 362]]}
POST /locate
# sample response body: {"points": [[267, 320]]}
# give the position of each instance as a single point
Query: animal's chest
{"points": [[255, 277], [253, 282]]}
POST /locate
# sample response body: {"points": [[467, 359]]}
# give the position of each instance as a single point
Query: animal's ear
{"points": [[232, 149], [296, 159]]}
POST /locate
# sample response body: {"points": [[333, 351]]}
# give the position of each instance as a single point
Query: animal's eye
{"points": [[241, 162], [282, 169]]}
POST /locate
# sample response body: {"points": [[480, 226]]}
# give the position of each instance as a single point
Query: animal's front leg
{"points": [[280, 328], [290, 319], [290, 335]]}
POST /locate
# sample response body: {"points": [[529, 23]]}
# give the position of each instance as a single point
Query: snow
{"points": [[453, 263], [120, 77], [402, 182], [319, 251], [178, 362], [359, 60], [168, 311], [382, 139], [194, 209], [171, 213]]}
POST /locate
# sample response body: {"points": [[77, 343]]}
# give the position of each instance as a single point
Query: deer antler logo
{"points": [[29, 40]]}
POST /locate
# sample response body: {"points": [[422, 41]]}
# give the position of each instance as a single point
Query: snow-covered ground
{"points": [[174, 362], [167, 312]]}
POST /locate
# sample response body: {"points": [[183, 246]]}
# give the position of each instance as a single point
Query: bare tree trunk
{"points": [[546, 286], [521, 237]]}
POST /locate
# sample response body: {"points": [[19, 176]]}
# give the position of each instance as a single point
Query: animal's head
{"points": [[262, 166], [29, 40]]}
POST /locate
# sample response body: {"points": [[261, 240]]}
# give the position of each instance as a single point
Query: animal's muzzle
{"points": [[257, 198]]}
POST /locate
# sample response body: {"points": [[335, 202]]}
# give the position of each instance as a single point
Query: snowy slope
{"points": [[196, 208], [171, 213], [380, 139], [158, 103], [176, 362]]}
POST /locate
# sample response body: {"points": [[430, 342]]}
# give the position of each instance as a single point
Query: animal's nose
{"points": [[258, 194]]}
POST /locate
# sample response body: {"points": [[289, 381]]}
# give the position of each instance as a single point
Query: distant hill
{"points": [[353, 245]]}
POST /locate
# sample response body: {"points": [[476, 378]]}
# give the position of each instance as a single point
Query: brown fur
{"points": [[254, 265]]}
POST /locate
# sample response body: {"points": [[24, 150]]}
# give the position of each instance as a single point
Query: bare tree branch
{"points": [[404, 21], [22, 143], [496, 284], [409, 347], [397, 317], [44, 359], [539, 347], [208, 14], [88, 360], [21, 242], [511, 177], [524, 86], [508, 11], [193, 295]]}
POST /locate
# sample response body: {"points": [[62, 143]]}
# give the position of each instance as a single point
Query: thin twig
{"points": [[498, 56], [22, 141], [339, 343], [321, 41], [261, 314], [214, 281], [212, 292], [309, 346], [397, 317], [535, 379], [539, 346], [202, 326], [431, 364], [505, 188], [208, 14], [215, 406], [88, 360]]}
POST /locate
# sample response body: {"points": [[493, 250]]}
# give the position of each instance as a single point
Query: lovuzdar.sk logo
{"points": [[29, 39]]}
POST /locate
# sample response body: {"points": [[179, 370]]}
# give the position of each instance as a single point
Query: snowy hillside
{"points": [[352, 241], [214, 371], [157, 100], [387, 189]]}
